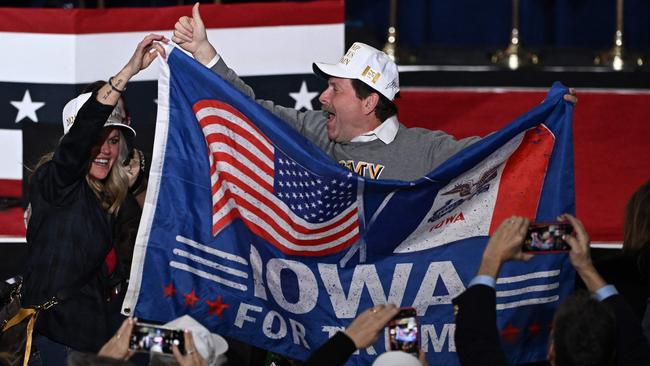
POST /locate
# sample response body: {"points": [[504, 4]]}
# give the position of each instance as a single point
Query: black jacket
{"points": [[68, 236], [630, 273], [335, 351]]}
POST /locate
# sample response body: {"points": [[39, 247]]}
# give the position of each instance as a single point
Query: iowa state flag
{"points": [[260, 236]]}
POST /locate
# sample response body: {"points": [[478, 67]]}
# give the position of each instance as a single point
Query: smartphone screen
{"points": [[547, 237], [153, 338], [403, 332]]}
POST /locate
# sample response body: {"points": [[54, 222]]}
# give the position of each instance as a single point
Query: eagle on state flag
{"points": [[259, 235]]}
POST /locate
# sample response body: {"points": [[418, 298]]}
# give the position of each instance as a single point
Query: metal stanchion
{"points": [[390, 47], [514, 56], [615, 58]]}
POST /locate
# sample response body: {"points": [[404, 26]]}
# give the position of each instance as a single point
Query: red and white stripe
{"points": [[242, 176]]}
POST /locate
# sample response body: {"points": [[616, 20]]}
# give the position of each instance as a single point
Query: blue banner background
{"points": [[184, 207]]}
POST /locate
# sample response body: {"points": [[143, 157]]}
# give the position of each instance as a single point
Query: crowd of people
{"points": [[86, 198]]}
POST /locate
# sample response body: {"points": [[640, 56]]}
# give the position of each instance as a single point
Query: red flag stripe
{"points": [[228, 108], [523, 177], [288, 220], [212, 120], [259, 213]]}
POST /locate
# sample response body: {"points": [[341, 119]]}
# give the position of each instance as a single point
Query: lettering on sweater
{"points": [[364, 169]]}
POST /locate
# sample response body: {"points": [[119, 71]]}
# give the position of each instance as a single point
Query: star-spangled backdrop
{"points": [[419, 243], [59, 51], [51, 54]]}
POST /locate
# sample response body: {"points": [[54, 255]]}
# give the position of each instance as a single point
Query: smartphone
{"points": [[154, 338], [547, 237], [404, 332]]}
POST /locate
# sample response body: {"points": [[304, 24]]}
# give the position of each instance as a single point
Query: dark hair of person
{"points": [[584, 332], [636, 226], [385, 108]]}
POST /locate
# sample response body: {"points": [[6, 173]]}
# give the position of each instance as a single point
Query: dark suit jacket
{"points": [[478, 342], [335, 351], [477, 337]]}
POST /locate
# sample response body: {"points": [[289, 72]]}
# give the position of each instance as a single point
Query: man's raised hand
{"points": [[190, 34]]}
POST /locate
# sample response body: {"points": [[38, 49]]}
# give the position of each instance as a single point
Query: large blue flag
{"points": [[262, 237]]}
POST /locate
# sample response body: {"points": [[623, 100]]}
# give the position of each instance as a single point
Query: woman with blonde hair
{"points": [[75, 197]]}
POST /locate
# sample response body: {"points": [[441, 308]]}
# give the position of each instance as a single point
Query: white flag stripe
{"points": [[303, 248], [537, 288], [238, 191], [227, 166], [209, 250], [223, 147], [217, 129], [222, 165], [293, 233], [287, 244], [535, 301], [209, 263], [228, 116], [219, 194], [231, 204], [52, 58], [528, 276], [208, 276], [228, 205]]}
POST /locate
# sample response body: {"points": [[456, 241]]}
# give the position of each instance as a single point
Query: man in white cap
{"points": [[358, 124]]}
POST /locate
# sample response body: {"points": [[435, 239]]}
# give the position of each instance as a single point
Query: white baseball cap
{"points": [[116, 118], [210, 345], [396, 358], [367, 64]]}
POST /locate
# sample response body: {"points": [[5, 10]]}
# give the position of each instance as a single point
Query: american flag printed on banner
{"points": [[260, 236], [289, 206]]}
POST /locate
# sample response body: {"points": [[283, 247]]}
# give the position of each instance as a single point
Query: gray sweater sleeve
{"points": [[311, 124]]}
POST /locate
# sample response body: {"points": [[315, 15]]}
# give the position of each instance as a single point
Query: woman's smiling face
{"points": [[104, 154]]}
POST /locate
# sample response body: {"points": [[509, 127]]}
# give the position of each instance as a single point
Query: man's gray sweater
{"points": [[412, 154]]}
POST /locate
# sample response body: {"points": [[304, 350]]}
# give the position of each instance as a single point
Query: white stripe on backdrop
{"points": [[75, 59]]}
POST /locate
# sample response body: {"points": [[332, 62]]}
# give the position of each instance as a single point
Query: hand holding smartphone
{"points": [[547, 237], [153, 338], [404, 332]]}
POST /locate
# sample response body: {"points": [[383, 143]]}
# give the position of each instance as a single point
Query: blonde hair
{"points": [[113, 189], [636, 227]]}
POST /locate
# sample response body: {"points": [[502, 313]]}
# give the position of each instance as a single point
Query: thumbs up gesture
{"points": [[190, 35]]}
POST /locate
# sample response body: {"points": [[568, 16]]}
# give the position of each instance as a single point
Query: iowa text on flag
{"points": [[259, 235]]}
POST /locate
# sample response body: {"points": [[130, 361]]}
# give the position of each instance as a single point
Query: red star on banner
{"points": [[190, 298], [534, 329], [216, 307], [510, 333], [169, 290]]}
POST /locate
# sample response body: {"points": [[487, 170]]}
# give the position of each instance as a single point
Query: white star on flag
{"points": [[303, 97], [27, 108]]}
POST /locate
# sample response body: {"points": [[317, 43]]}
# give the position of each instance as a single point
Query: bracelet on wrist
{"points": [[142, 162], [110, 83]]}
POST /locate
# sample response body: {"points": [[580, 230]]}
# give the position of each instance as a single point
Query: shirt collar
{"points": [[385, 132]]}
